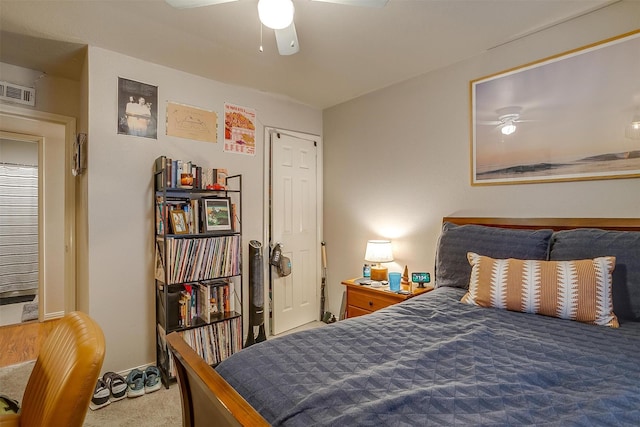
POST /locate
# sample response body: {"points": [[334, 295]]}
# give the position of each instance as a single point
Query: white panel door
{"points": [[294, 225]]}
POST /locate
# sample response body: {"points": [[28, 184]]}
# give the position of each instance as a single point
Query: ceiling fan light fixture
{"points": [[508, 128], [276, 14]]}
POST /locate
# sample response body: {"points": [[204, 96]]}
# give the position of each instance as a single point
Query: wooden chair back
{"points": [[64, 376]]}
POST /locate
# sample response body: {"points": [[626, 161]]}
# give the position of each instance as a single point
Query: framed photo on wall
{"points": [[137, 109], [217, 214], [178, 221], [573, 116]]}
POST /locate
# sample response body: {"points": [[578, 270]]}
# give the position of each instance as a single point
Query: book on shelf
{"points": [[159, 168], [163, 168], [185, 174], [176, 173], [166, 357], [190, 260], [185, 307], [213, 299], [159, 264], [161, 215], [189, 313], [214, 342]]}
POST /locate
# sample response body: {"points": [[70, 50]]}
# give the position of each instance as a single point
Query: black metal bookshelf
{"points": [[198, 271]]}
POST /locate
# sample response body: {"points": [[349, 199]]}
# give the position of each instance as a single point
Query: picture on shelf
{"points": [[179, 222], [217, 214]]}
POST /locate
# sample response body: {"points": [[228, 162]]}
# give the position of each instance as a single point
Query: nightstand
{"points": [[363, 299]]}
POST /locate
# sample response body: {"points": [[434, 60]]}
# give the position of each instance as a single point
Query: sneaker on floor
{"points": [[152, 380], [135, 383], [100, 397], [116, 384], [8, 405]]}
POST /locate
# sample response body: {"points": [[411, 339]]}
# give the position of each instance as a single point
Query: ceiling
{"points": [[345, 51]]}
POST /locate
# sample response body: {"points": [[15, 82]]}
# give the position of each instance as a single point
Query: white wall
{"points": [[53, 94], [19, 152], [397, 160], [120, 292]]}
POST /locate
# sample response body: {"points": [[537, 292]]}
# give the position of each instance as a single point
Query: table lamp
{"points": [[378, 251]]}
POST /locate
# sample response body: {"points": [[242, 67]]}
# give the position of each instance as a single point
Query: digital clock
{"points": [[420, 278]]}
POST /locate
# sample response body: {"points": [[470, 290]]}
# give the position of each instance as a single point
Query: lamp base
{"points": [[379, 273]]}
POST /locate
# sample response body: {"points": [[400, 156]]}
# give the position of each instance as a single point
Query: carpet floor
{"points": [[160, 408]]}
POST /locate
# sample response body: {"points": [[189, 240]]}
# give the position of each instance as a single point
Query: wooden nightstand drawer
{"points": [[369, 301], [356, 311]]}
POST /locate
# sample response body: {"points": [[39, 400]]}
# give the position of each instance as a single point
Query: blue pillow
{"points": [[452, 268], [585, 243]]}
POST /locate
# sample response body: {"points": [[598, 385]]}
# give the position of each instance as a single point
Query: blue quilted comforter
{"points": [[435, 361]]}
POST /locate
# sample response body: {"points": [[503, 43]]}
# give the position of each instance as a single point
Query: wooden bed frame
{"points": [[207, 399], [556, 224]]}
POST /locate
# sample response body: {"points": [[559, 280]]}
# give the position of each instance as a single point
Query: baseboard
{"points": [[140, 367], [52, 316]]}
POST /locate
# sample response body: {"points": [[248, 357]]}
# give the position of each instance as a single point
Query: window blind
{"points": [[18, 229]]}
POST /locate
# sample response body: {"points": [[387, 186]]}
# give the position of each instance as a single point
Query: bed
{"points": [[434, 360]]}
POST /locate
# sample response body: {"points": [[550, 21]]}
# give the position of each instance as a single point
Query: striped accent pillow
{"points": [[575, 290]]}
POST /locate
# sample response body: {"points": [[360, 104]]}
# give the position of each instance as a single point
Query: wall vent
{"points": [[19, 94]]}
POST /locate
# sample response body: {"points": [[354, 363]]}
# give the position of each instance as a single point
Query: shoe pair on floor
{"points": [[113, 387], [110, 388], [141, 382]]}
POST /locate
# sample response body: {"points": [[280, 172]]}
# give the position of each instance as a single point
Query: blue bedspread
{"points": [[435, 361]]}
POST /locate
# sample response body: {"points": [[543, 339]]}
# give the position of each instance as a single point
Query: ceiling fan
{"points": [[507, 120], [277, 15]]}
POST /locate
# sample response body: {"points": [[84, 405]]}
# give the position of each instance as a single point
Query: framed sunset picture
{"points": [[573, 116]]}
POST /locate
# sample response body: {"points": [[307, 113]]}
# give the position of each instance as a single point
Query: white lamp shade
{"points": [[276, 14], [378, 251]]}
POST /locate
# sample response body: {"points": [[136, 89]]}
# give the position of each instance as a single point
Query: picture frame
{"points": [[573, 116], [179, 223], [137, 109], [216, 214]]}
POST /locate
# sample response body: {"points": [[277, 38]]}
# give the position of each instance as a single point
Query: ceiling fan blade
{"points": [[369, 3], [490, 123], [287, 40], [186, 4]]}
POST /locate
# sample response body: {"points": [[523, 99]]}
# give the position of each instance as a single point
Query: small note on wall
{"points": [[189, 122]]}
